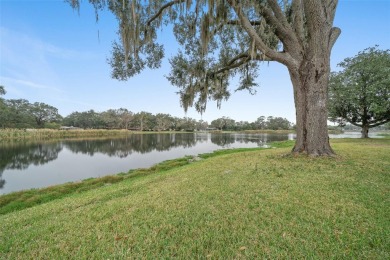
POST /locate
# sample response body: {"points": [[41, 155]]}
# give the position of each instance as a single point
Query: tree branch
{"points": [[334, 34], [331, 8], [232, 64], [237, 22], [383, 121], [244, 57], [278, 13], [372, 124], [298, 21], [159, 12], [283, 58], [276, 18], [353, 123]]}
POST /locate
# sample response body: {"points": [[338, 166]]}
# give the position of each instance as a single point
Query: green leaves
{"points": [[360, 94], [214, 45], [20, 113], [2, 90]]}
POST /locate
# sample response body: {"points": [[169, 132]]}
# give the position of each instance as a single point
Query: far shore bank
{"points": [[47, 134]]}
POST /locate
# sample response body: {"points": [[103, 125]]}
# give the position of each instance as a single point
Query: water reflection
{"points": [[25, 165], [22, 164], [140, 143], [225, 140], [20, 156]]}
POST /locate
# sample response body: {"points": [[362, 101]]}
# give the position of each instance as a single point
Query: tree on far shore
{"points": [[43, 113]]}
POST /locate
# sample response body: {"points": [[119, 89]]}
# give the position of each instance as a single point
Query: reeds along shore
{"points": [[39, 134], [20, 134]]}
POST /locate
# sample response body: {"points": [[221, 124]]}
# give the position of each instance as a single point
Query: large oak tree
{"points": [[222, 39]]}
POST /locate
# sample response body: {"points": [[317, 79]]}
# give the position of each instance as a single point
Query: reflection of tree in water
{"points": [[2, 182], [201, 137], [141, 143], [111, 147], [22, 155], [223, 139], [259, 139]]}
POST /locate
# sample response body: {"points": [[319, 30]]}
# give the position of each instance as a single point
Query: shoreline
{"points": [[19, 200], [8, 135]]}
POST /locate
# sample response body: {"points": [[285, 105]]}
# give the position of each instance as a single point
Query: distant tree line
{"points": [[124, 119], [145, 121], [262, 123], [20, 113]]}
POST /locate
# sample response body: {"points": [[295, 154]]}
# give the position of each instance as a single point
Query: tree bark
{"points": [[309, 74], [365, 129], [310, 83]]}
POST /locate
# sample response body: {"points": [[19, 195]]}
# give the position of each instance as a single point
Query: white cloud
{"points": [[29, 65], [19, 82], [12, 40]]}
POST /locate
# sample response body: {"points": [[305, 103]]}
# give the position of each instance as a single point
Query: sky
{"points": [[53, 54]]}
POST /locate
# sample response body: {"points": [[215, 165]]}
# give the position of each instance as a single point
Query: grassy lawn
{"points": [[247, 204]]}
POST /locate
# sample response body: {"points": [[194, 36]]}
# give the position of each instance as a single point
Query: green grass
{"points": [[28, 198], [248, 204]]}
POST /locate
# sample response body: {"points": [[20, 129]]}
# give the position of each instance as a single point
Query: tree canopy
{"points": [[43, 113], [2, 90], [222, 39], [360, 93], [20, 113]]}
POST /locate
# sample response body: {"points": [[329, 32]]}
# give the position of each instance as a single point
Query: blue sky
{"points": [[49, 53]]}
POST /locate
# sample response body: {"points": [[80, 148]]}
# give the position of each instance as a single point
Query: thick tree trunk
{"points": [[310, 82], [365, 129]]}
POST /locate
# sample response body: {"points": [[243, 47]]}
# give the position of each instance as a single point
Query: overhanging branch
{"points": [[239, 60], [282, 57], [161, 10], [244, 58], [234, 22], [237, 22]]}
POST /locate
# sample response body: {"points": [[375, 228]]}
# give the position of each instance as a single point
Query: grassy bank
{"points": [[250, 204], [28, 198]]}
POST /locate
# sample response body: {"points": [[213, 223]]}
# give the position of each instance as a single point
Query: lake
{"points": [[26, 165]]}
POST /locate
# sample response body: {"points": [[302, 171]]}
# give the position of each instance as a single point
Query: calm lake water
{"points": [[26, 165]]}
